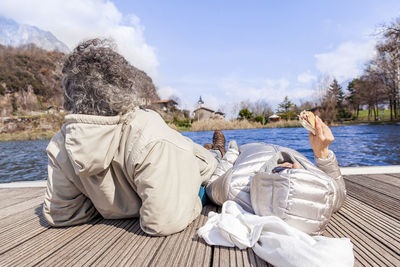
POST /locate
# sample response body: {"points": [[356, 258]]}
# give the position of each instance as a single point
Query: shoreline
{"points": [[47, 134]]}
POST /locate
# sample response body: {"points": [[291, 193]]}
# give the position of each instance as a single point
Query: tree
{"points": [[245, 113], [333, 103], [261, 110], [371, 90], [286, 109], [353, 98], [176, 99]]}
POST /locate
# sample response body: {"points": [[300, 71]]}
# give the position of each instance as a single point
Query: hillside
{"points": [[30, 79]]}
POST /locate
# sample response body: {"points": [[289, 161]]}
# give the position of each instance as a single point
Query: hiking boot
{"points": [[219, 142]]}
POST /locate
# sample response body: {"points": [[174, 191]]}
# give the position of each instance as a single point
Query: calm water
{"points": [[361, 145]]}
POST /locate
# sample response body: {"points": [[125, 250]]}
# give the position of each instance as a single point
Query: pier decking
{"points": [[370, 217]]}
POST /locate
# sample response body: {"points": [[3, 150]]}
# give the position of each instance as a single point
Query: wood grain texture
{"points": [[369, 217]]}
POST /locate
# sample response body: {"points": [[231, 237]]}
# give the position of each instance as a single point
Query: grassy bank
{"points": [[44, 126], [30, 127], [211, 125], [27, 135]]}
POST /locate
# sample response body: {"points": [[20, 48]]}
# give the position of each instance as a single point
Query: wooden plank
{"points": [[223, 259], [384, 178], [254, 260], [361, 255], [17, 220], [394, 174], [372, 219], [38, 248], [377, 252], [373, 253], [20, 234], [176, 246], [11, 202], [383, 236], [216, 253], [21, 206], [101, 245], [85, 246], [383, 188], [119, 249], [143, 255], [359, 260], [134, 248], [199, 253], [234, 257], [11, 196], [384, 203]]}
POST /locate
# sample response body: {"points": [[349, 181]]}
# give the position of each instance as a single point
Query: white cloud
{"points": [[211, 101], [238, 89], [72, 21], [230, 90], [271, 90], [306, 77], [347, 60]]}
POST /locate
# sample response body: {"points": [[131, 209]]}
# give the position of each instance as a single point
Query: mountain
{"points": [[14, 34]]}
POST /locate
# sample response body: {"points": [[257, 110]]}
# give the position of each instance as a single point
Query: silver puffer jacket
{"points": [[305, 198]]}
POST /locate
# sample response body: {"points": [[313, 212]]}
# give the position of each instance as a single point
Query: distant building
{"points": [[165, 105], [274, 117], [203, 113]]}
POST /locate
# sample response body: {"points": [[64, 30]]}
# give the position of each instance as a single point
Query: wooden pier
{"points": [[370, 217]]}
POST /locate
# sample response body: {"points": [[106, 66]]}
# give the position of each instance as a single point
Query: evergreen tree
{"points": [[287, 109], [334, 99], [353, 98], [245, 113]]}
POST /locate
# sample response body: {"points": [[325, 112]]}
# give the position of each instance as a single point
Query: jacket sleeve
{"points": [[331, 167], [168, 181], [64, 203], [206, 161]]}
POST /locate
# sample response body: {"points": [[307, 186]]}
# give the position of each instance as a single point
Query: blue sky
{"points": [[225, 51], [210, 47]]}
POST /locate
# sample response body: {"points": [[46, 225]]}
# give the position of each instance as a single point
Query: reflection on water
{"points": [[361, 145]]}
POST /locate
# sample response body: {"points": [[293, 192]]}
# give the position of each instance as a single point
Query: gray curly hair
{"points": [[99, 81]]}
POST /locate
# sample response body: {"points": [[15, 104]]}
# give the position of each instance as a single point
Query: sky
{"points": [[224, 51]]}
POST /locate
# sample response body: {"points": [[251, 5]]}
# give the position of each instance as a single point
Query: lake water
{"points": [[361, 145]]}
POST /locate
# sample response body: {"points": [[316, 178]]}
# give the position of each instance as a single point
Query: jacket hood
{"points": [[92, 141]]}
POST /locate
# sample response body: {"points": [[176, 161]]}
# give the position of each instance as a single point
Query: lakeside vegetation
{"points": [[44, 126], [30, 127]]}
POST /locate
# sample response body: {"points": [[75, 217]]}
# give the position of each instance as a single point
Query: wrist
{"points": [[322, 154]]}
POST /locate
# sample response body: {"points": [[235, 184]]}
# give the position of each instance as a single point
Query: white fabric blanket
{"points": [[274, 240]]}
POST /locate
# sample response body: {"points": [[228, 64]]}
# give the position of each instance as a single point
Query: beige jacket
{"points": [[123, 167]]}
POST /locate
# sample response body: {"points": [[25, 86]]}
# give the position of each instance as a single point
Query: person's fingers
{"points": [[286, 165], [327, 132], [296, 165], [318, 127]]}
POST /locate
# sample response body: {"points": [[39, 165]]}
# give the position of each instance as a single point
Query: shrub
{"points": [[217, 124]]}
